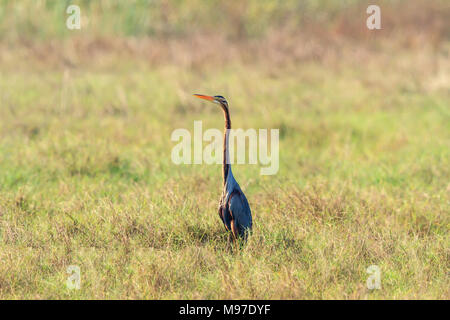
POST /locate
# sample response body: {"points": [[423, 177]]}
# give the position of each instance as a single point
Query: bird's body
{"points": [[234, 210]]}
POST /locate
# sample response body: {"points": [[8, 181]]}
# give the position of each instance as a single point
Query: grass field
{"points": [[86, 176]]}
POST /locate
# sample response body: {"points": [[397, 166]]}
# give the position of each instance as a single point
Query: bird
{"points": [[234, 210]]}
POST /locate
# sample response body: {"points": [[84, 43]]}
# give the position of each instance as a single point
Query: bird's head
{"points": [[216, 99]]}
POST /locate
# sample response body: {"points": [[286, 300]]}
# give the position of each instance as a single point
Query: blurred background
{"points": [[187, 33]]}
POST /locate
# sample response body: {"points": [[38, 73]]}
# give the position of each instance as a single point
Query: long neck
{"points": [[226, 153]]}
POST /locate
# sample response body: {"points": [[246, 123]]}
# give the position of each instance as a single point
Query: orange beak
{"points": [[201, 96]]}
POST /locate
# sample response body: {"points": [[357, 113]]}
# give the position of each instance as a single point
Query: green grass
{"points": [[87, 180], [86, 176]]}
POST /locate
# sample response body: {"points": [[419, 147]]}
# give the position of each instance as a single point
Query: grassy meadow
{"points": [[86, 176]]}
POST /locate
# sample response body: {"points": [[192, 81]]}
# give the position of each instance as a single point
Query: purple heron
{"points": [[234, 210]]}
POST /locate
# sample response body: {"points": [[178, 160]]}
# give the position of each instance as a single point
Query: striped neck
{"points": [[226, 153]]}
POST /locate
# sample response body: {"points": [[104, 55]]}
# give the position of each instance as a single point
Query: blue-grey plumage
{"points": [[234, 209]]}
